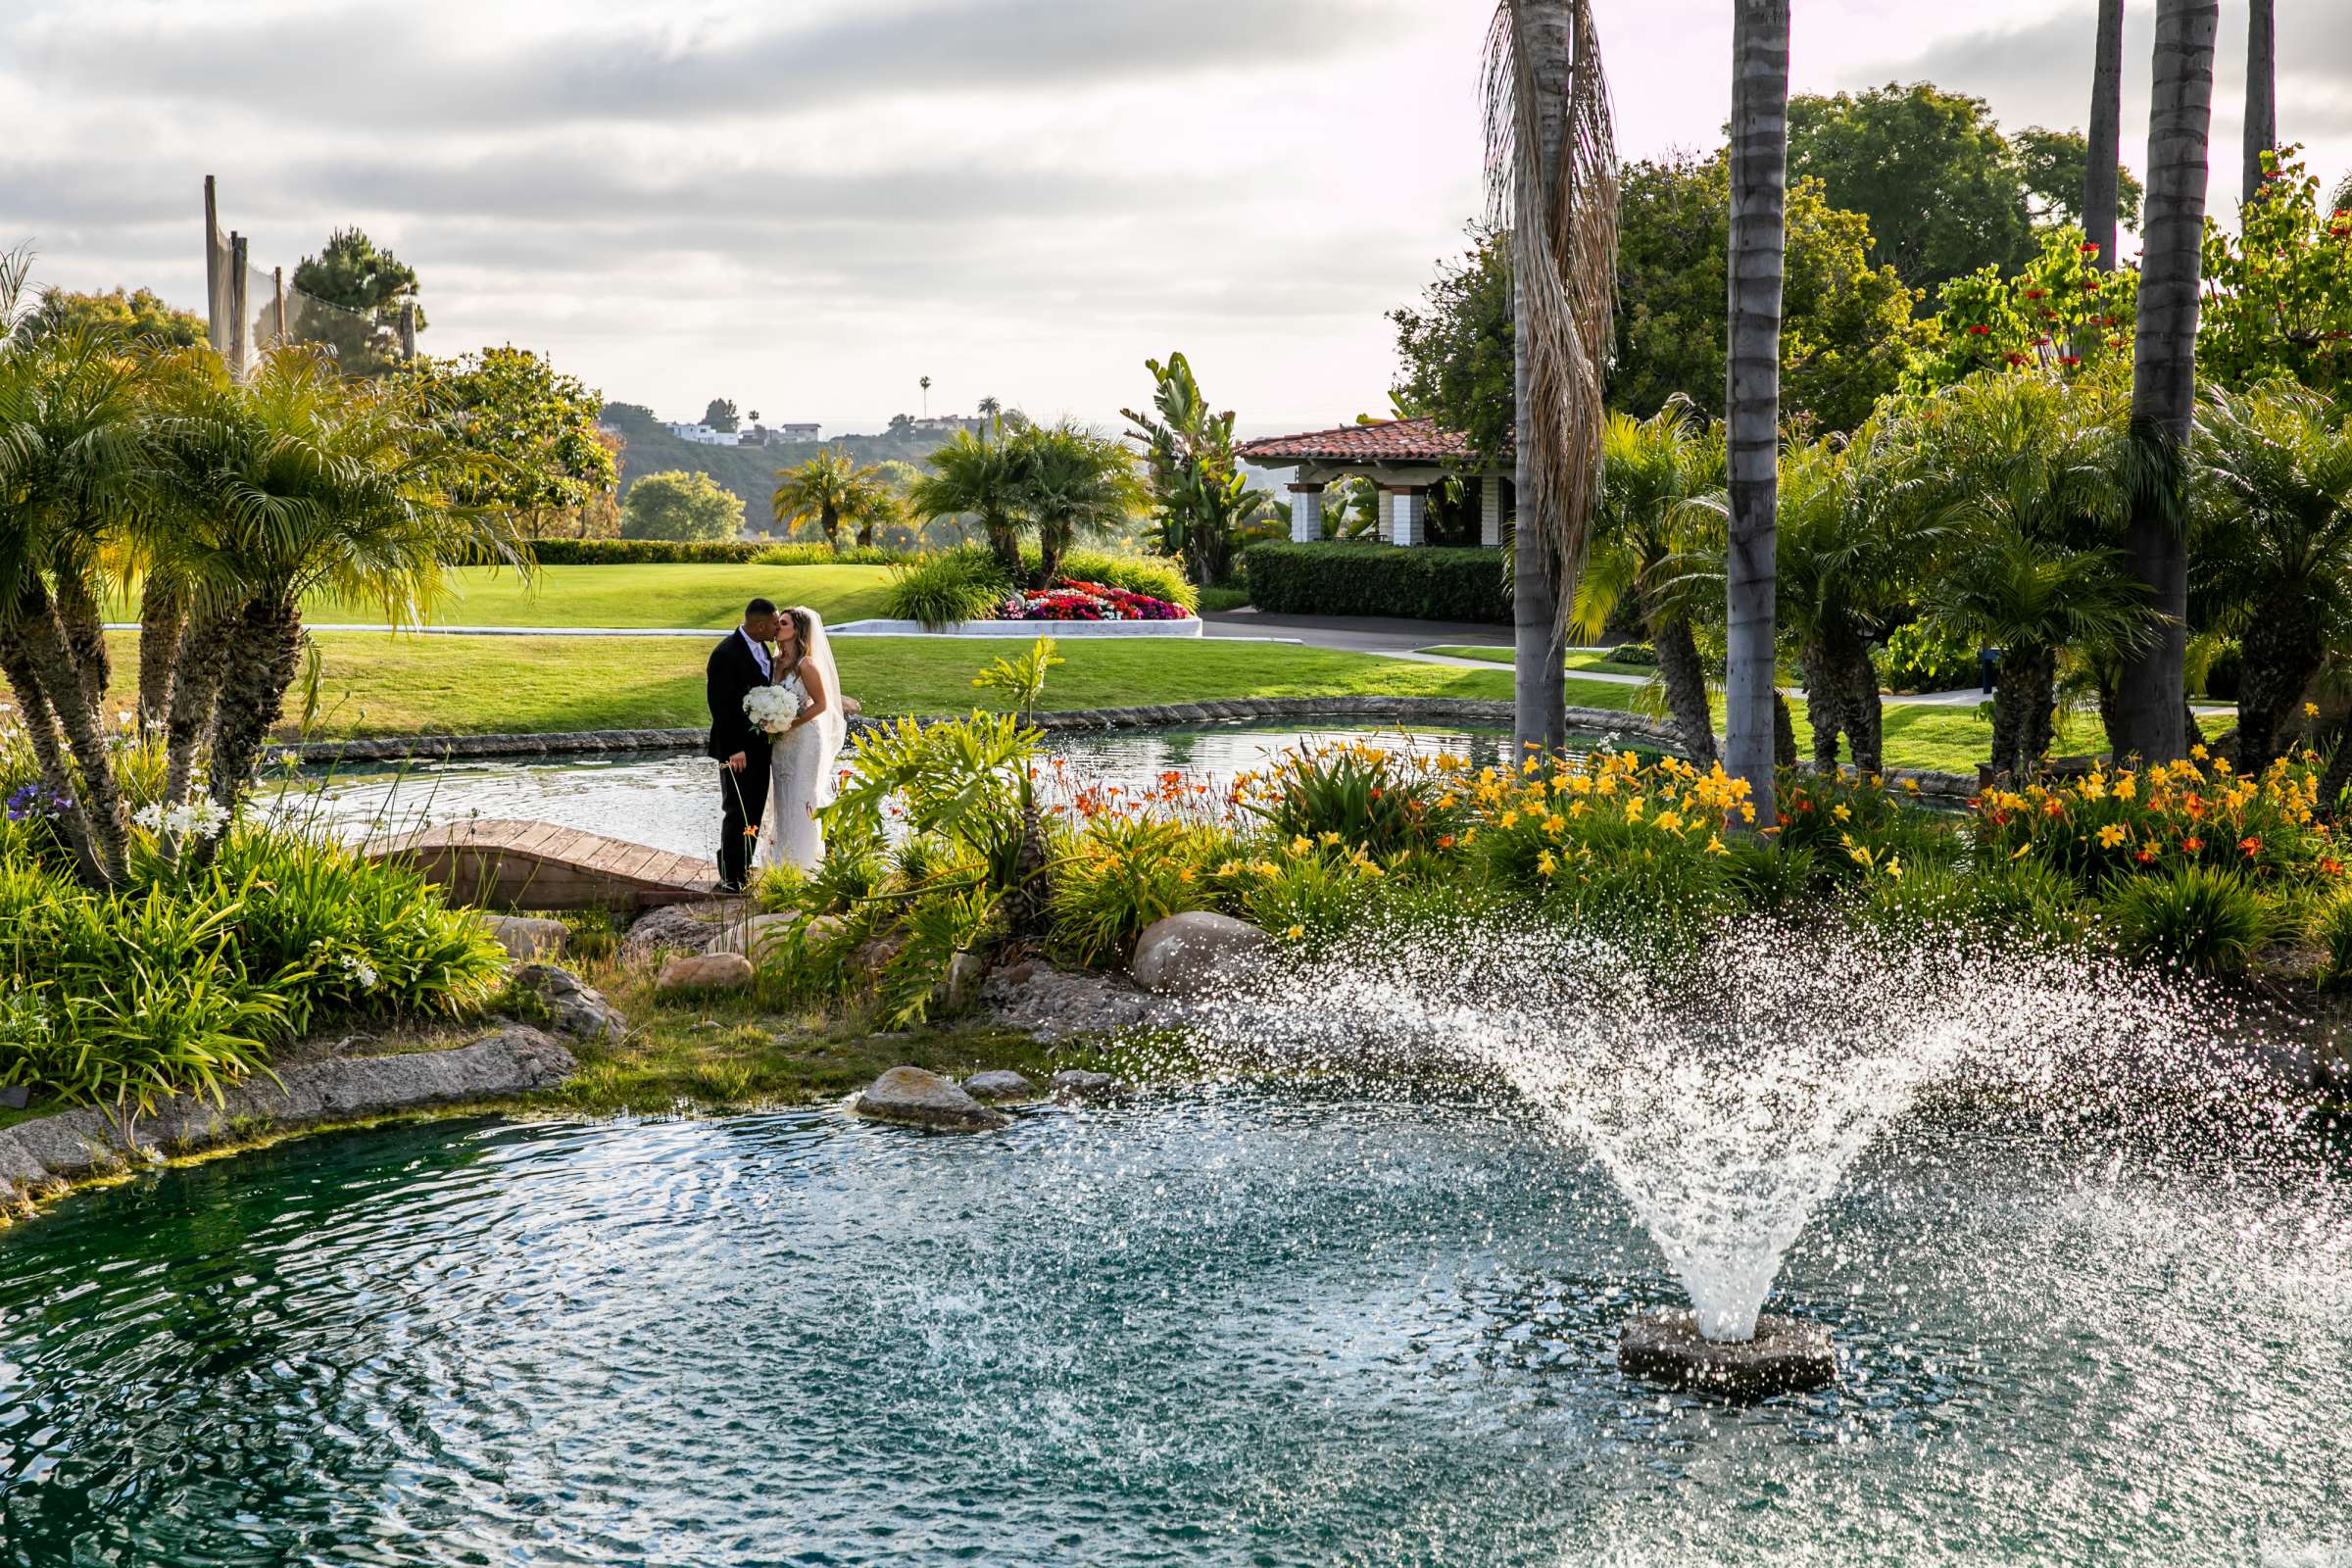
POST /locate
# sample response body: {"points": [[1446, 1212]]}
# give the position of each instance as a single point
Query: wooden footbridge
{"points": [[499, 862]]}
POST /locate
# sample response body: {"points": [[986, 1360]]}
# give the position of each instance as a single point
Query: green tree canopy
{"points": [[679, 505], [371, 284], [136, 314], [534, 422], [722, 414], [2279, 296], [1945, 191], [2054, 165], [1846, 329], [1455, 348]]}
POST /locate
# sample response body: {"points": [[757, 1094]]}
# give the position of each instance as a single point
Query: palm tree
{"points": [[988, 408], [2022, 478], [829, 488], [300, 482], [2150, 698], [73, 464], [2102, 168], [2261, 133], [2275, 545], [1654, 540], [925, 383], [1071, 483], [1551, 160], [972, 476], [1760, 239], [1848, 548]]}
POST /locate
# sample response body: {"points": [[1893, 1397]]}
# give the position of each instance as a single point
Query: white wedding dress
{"points": [[801, 775]]}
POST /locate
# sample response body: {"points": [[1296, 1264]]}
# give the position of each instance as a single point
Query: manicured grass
{"points": [[1216, 599], [664, 596], [392, 685], [1598, 663]]}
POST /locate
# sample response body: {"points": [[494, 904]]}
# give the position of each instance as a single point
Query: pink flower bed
{"points": [[1071, 600]]}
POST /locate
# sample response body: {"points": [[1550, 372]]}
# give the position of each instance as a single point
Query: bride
{"points": [[800, 779]]}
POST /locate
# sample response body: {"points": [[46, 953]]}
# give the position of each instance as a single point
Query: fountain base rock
{"points": [[1786, 1356]]}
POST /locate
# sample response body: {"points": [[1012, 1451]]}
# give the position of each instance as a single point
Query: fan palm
{"points": [[829, 489], [2025, 479], [73, 469], [303, 480], [2273, 507], [1071, 483], [972, 476], [1653, 535]]}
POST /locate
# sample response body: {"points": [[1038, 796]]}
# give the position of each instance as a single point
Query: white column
{"points": [[1306, 513], [1490, 510], [1387, 516], [1412, 517]]}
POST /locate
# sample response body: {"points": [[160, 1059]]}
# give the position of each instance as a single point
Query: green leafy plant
{"points": [[1022, 680], [2203, 920], [1120, 877], [944, 590]]}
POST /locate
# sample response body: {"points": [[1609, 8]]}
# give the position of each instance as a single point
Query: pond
{"points": [[1223, 1326], [670, 801]]}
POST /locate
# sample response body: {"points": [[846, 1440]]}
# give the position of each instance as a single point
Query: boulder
{"points": [[574, 1007], [1000, 1085], [871, 958], [966, 971], [525, 938], [1074, 1086], [1192, 954], [706, 971], [915, 1097], [1055, 1004], [686, 927]]}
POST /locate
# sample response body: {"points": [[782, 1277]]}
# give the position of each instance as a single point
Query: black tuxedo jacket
{"points": [[733, 673]]}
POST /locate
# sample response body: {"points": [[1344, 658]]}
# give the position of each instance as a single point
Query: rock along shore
{"points": [[51, 1152]]}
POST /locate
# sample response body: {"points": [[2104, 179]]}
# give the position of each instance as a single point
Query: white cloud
{"points": [[808, 206]]}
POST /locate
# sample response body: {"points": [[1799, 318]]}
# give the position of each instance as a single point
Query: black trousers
{"points": [[745, 802]]}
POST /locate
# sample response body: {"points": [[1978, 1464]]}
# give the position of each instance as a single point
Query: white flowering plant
{"points": [[772, 708], [194, 819]]}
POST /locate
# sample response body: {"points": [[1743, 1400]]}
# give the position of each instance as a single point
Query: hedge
{"points": [[707, 552], [1420, 582]]}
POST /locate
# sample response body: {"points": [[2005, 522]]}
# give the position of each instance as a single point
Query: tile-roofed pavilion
{"points": [[1404, 457]]}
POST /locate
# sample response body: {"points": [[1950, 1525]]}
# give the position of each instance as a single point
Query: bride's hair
{"points": [[797, 614]]}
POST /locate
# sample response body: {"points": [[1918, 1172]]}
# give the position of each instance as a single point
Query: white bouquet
{"points": [[772, 708]]}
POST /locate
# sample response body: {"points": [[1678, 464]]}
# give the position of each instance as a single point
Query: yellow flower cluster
{"points": [[1669, 797]]}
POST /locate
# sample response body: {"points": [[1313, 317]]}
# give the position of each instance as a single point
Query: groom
{"points": [[738, 746]]}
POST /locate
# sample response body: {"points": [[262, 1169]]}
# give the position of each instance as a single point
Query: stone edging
{"points": [[51, 1152], [1943, 788]]}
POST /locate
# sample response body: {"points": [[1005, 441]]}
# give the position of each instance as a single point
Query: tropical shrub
{"points": [[1424, 583], [1119, 875], [1918, 658], [942, 590], [1383, 800], [2201, 920]]}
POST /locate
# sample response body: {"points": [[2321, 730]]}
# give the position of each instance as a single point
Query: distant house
{"points": [[1406, 458], [702, 436], [949, 424]]}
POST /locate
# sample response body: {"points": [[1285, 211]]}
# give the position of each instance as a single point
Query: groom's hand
{"points": [[737, 763]]}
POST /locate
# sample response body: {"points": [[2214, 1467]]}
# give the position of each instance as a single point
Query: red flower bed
{"points": [[1071, 600]]}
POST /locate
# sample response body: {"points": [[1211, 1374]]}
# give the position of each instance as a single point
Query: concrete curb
{"points": [[50, 1153]]}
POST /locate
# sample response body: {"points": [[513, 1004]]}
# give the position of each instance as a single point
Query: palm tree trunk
{"points": [[1686, 682], [1759, 236], [2164, 372], [1825, 701], [163, 617], [264, 646], [2023, 695], [830, 521], [41, 731], [1865, 729], [2283, 647], [1007, 544], [1537, 717], [56, 669], [1538, 663], [83, 626], [1051, 542], [1784, 731], [2262, 97], [203, 655], [2338, 778], [2101, 170]]}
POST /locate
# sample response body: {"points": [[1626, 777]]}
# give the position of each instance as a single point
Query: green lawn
{"points": [[1597, 663], [711, 596]]}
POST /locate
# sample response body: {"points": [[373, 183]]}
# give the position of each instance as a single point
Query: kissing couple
{"points": [[777, 721]]}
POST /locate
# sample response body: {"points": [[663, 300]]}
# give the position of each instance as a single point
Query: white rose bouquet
{"points": [[772, 708]]}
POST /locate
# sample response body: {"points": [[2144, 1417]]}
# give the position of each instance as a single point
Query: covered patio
{"points": [[1410, 461]]}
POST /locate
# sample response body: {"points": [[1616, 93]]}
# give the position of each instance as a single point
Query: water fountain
{"points": [[1727, 1091]]}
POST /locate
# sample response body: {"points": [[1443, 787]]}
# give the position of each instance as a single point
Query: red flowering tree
{"points": [[2062, 311], [2278, 296]]}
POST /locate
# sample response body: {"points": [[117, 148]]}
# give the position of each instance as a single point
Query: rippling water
{"points": [[672, 801], [1222, 1327]]}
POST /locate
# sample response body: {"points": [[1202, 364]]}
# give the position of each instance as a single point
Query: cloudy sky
{"points": [[807, 205]]}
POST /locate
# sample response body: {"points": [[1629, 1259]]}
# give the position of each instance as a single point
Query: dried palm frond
{"points": [[1551, 179]]}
